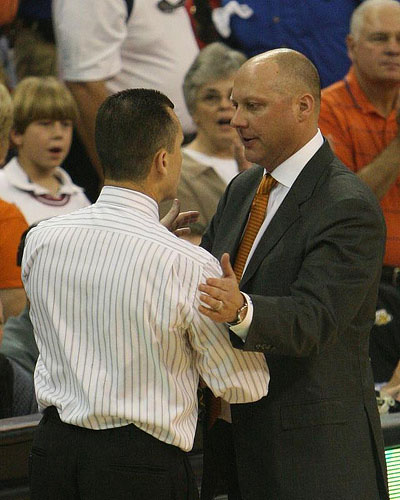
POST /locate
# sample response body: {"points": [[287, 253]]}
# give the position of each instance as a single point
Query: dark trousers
{"points": [[73, 463], [219, 463]]}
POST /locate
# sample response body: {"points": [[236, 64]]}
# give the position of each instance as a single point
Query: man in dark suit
{"points": [[306, 295]]}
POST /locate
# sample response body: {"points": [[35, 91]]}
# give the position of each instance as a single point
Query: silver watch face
{"points": [[238, 320]]}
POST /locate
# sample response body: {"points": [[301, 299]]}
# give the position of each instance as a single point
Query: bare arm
{"points": [[13, 300], [383, 171], [89, 96]]}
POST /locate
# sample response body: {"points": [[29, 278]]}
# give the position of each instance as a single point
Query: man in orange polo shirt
{"points": [[359, 116]]}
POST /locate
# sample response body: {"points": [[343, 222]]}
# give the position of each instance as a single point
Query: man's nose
{"points": [[393, 45], [238, 119]]}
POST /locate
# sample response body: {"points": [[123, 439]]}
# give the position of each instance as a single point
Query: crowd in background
{"points": [[59, 62]]}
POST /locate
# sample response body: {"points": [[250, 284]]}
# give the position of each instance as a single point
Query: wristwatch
{"points": [[240, 314]]}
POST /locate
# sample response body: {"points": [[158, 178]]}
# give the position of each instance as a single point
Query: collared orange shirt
{"points": [[357, 133], [12, 225]]}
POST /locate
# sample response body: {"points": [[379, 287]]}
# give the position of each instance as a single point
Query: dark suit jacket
{"points": [[313, 281]]}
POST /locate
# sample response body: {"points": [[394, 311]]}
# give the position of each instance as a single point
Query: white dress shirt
{"points": [[114, 304], [285, 174]]}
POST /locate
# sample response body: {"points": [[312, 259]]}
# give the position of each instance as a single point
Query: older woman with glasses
{"points": [[215, 155]]}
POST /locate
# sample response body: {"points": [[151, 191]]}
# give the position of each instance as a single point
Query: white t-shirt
{"points": [[34, 201], [153, 49]]}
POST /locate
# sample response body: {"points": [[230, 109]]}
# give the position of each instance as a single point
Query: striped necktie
{"points": [[257, 217]]}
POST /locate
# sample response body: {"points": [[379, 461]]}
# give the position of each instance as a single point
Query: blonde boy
{"points": [[44, 116]]}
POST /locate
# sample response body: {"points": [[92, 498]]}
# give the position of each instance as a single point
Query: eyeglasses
{"points": [[213, 98]]}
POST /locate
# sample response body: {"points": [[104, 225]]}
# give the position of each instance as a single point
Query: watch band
{"points": [[239, 312]]}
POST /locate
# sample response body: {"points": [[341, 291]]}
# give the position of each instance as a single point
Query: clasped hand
{"points": [[221, 296]]}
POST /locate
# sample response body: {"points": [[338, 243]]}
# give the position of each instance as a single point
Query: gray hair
{"points": [[214, 62], [357, 18]]}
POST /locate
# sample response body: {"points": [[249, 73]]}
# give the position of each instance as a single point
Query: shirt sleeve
{"points": [[234, 375], [89, 36], [11, 228]]}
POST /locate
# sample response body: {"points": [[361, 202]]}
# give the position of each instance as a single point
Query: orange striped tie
{"points": [[257, 216]]}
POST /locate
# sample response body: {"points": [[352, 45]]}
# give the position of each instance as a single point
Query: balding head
{"points": [[295, 73], [277, 98], [369, 8], [374, 45]]}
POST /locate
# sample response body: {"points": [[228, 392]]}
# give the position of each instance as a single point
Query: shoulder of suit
{"points": [[345, 184]]}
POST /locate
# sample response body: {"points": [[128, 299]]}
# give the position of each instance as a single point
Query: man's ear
{"points": [[161, 162], [350, 43], [306, 107], [16, 137]]}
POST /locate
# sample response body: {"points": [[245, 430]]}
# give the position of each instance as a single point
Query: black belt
{"points": [[391, 275]]}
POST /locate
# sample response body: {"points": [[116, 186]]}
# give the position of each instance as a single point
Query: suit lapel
{"points": [[289, 211], [238, 214]]}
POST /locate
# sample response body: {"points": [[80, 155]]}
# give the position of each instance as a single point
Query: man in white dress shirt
{"points": [[114, 303]]}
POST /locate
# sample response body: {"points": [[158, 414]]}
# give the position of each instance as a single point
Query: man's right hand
{"points": [[178, 222]]}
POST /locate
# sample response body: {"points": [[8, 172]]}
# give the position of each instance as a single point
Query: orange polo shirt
{"points": [[357, 133], [12, 225]]}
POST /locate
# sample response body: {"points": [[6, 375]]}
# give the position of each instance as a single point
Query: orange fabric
{"points": [[357, 133], [8, 11], [257, 216], [12, 225]]}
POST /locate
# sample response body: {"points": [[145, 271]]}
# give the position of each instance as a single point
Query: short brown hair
{"points": [[37, 98], [131, 126]]}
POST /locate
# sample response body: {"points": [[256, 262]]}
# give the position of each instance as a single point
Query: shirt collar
{"points": [[358, 96], [129, 199], [18, 178], [287, 172]]}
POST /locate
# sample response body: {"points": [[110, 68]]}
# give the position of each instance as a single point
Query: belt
{"points": [[391, 275]]}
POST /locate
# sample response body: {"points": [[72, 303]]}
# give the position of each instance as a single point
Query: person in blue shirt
{"points": [[316, 28]]}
